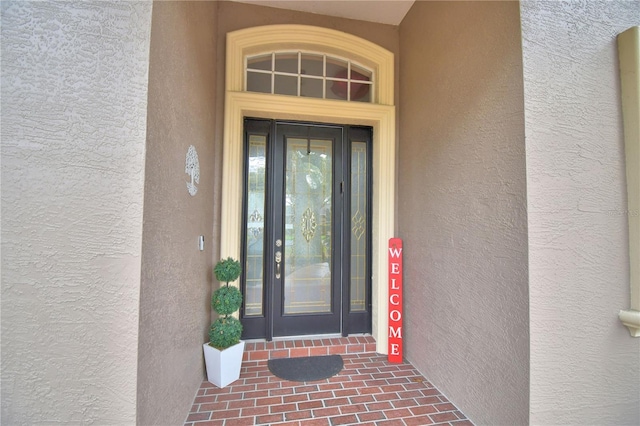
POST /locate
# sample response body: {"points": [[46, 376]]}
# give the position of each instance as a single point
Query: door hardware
{"points": [[278, 260]]}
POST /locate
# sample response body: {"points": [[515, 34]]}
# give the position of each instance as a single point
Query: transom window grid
{"points": [[308, 74]]}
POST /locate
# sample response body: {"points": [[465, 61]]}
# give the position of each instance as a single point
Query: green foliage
{"points": [[227, 270], [226, 300], [225, 332]]}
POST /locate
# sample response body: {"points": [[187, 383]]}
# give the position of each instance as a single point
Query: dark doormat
{"points": [[306, 369]]}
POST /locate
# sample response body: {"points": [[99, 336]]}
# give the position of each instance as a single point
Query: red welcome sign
{"points": [[395, 300]]}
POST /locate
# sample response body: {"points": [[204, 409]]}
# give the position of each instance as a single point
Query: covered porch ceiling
{"points": [[382, 11]]}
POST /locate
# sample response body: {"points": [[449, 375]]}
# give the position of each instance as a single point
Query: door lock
{"points": [[278, 261]]}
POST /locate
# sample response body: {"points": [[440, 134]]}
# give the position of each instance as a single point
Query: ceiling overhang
{"points": [[381, 11]]}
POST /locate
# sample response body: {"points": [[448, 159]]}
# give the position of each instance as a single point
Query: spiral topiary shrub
{"points": [[226, 330]]}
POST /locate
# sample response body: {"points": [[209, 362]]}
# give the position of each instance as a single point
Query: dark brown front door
{"points": [[307, 227]]}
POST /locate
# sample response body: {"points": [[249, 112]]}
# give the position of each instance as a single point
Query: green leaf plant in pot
{"points": [[223, 354]]}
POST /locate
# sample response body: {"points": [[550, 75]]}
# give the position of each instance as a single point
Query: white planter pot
{"points": [[223, 367]]}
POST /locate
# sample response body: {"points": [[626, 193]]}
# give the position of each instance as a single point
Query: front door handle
{"points": [[278, 261]]}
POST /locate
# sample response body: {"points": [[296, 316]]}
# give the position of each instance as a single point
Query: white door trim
{"points": [[380, 116]]}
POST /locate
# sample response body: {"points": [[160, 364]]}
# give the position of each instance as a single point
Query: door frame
{"points": [[380, 116], [341, 318]]}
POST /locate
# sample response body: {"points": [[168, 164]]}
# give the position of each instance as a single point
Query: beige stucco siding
{"points": [[511, 204], [585, 367], [176, 276], [74, 101], [462, 205]]}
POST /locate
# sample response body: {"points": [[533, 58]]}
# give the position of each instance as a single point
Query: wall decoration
{"points": [[192, 168], [395, 300]]}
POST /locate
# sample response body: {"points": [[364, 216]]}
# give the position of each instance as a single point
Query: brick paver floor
{"points": [[368, 391]]}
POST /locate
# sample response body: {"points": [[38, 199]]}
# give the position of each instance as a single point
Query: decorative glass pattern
{"points": [[308, 224], [256, 176], [308, 204], [308, 74], [358, 260]]}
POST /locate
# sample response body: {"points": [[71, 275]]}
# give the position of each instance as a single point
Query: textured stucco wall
{"points": [[462, 205], [585, 367], [74, 97], [176, 276]]}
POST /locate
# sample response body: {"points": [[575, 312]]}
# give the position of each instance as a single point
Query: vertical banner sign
{"points": [[395, 300]]}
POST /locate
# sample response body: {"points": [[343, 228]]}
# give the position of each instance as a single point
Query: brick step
{"points": [[263, 350]]}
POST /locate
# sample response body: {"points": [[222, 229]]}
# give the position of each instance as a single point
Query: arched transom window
{"points": [[308, 74]]}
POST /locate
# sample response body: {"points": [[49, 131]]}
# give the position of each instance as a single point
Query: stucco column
{"points": [[74, 105]]}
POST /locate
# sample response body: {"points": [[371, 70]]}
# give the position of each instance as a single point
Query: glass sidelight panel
{"points": [[359, 226], [254, 265], [308, 216]]}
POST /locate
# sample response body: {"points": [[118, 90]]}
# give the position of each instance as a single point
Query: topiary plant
{"points": [[226, 330], [227, 270]]}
